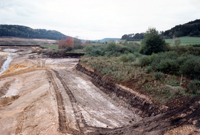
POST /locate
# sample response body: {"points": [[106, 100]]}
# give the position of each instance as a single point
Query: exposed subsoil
{"points": [[58, 96]]}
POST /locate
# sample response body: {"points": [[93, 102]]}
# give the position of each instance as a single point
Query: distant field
{"points": [[185, 40]]}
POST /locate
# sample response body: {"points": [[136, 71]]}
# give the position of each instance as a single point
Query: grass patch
{"points": [[185, 40]]}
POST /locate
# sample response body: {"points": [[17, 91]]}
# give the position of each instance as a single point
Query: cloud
{"points": [[95, 19]]}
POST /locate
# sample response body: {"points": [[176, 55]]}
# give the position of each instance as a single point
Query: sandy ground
{"points": [[47, 96], [13, 39]]}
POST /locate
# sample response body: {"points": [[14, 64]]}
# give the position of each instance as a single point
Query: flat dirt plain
{"points": [[50, 97], [15, 40]]}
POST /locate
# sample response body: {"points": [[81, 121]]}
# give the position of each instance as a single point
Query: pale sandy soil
{"points": [[46, 96], [13, 39]]}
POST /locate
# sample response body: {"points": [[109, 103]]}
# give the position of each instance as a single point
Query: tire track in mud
{"points": [[78, 115], [80, 121], [61, 109], [136, 128]]}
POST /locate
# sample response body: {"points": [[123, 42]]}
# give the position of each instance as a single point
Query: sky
{"points": [[98, 19]]}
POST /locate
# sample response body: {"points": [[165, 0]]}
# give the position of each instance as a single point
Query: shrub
{"points": [[68, 49], [131, 57], [155, 60], [96, 52], [168, 66], [191, 67], [137, 54], [123, 58], [152, 42], [144, 61], [194, 87], [171, 55], [166, 47], [177, 42], [111, 46], [182, 59], [88, 49], [148, 69], [152, 57], [158, 76]]}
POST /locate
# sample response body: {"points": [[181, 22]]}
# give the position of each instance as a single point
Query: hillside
{"points": [[107, 39], [188, 29], [27, 32]]}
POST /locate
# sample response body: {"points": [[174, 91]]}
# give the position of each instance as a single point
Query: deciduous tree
{"points": [[68, 42]]}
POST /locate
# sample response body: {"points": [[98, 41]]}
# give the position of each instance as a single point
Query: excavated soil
{"points": [[58, 96]]}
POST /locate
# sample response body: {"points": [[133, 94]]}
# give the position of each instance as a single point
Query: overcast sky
{"points": [[97, 19]]}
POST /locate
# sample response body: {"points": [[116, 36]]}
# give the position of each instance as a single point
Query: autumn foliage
{"points": [[68, 42]]}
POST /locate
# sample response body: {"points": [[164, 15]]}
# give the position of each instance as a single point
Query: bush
{"points": [[166, 47], [171, 55], [158, 76], [157, 58], [182, 59], [194, 87], [131, 57], [124, 58], [111, 46], [177, 42], [88, 49], [68, 49], [96, 52], [148, 69], [137, 54], [191, 67], [169, 66], [152, 57], [152, 42], [144, 61], [186, 50]]}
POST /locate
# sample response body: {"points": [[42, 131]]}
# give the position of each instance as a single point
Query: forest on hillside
{"points": [[27, 32], [191, 29]]}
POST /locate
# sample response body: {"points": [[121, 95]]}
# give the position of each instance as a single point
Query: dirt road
{"points": [[47, 96]]}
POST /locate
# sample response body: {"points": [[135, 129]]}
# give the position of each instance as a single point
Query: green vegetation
{"points": [[133, 37], [185, 40], [165, 74], [111, 49], [152, 42], [27, 32], [188, 29]]}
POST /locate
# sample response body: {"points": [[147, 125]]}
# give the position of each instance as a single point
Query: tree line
{"points": [[133, 37], [27, 32], [189, 29]]}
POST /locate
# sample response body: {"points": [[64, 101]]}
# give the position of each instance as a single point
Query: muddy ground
{"points": [[57, 96]]}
